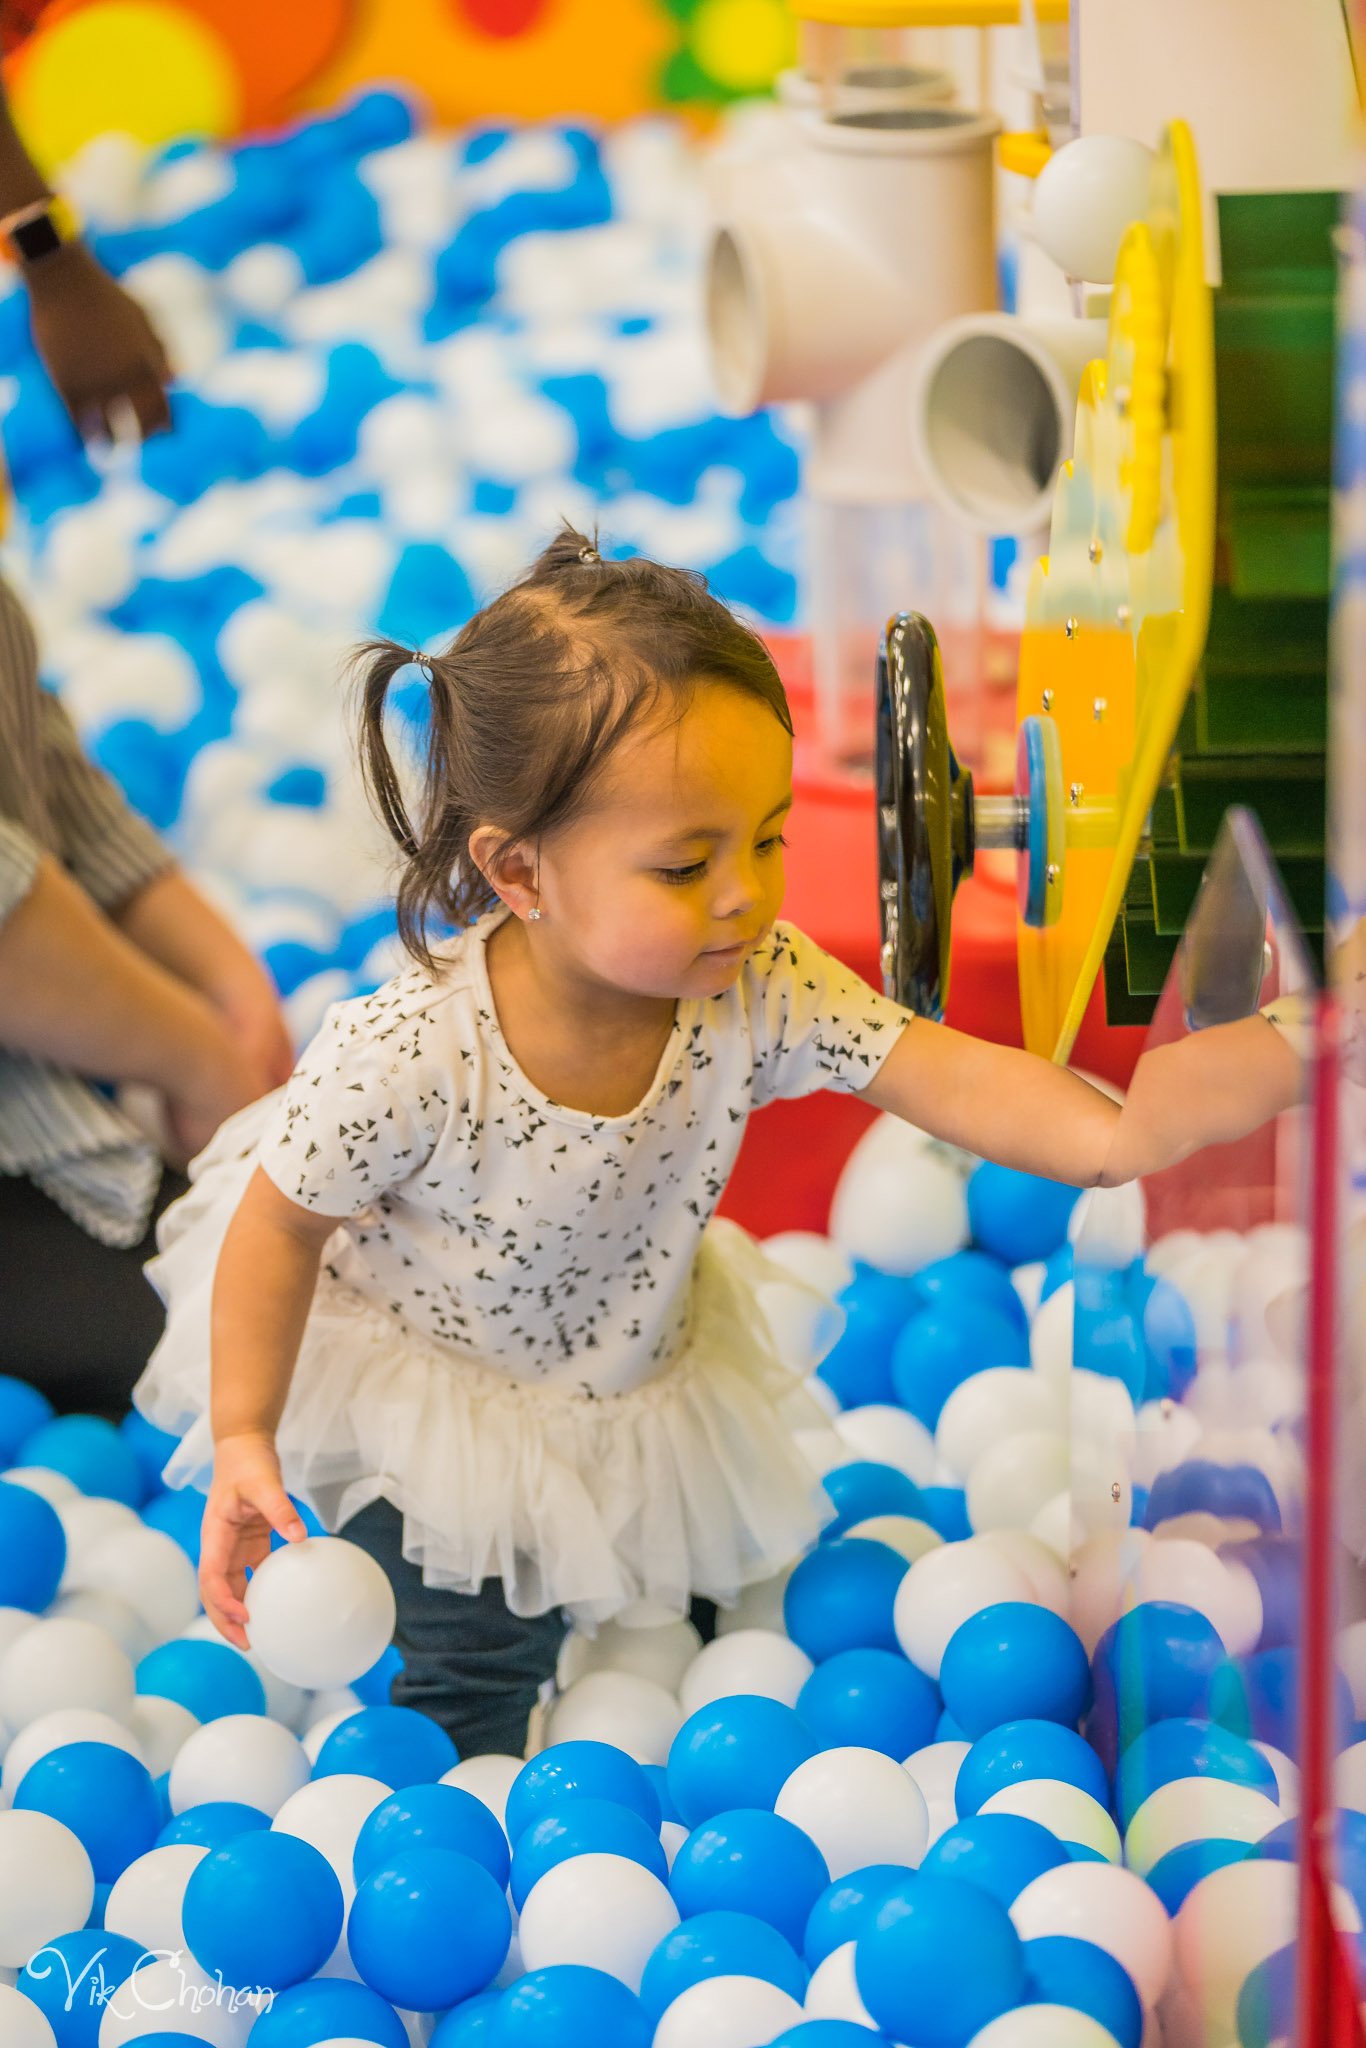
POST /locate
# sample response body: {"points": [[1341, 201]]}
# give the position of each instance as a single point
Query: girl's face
{"points": [[677, 870]]}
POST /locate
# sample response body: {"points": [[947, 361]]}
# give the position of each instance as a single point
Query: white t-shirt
{"points": [[546, 1242]]}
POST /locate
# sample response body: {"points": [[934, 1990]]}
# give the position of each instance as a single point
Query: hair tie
{"points": [[422, 661], [589, 555]]}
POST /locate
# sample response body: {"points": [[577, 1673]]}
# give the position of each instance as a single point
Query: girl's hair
{"points": [[529, 702]]}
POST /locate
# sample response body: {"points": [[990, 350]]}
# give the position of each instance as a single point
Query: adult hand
{"points": [[219, 1077], [250, 1007], [247, 1500], [101, 350]]}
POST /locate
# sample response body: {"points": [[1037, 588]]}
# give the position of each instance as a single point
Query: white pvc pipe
{"points": [[993, 414]]}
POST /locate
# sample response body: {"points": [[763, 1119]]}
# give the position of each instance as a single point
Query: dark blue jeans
{"points": [[472, 1665]]}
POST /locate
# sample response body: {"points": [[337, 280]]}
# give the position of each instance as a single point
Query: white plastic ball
{"points": [[935, 1770], [1103, 1574], [991, 1409], [617, 1707], [944, 1590], [54, 1487], [1041, 1565], [1109, 1226], [859, 1807], [1234, 1919], [603, 1911], [1043, 2026], [902, 1533], [286, 1702], [1167, 1434], [160, 1727], [39, 1737], [21, 2023], [824, 1449], [173, 1995], [804, 1323], [488, 1779], [147, 1569], [317, 1732], [1100, 1903], [89, 1522], [750, 1660], [659, 1654], [899, 1213], [1028, 1282], [889, 1436], [809, 1256], [1065, 1810], [148, 1899], [1050, 1338], [243, 1757], [1101, 1489], [320, 1612], [64, 1664], [759, 1606], [47, 1886], [321, 1706], [833, 1992], [1287, 1778], [110, 1612], [1196, 1810], [14, 1622], [1010, 1484], [329, 1813], [727, 2012], [1101, 1410]]}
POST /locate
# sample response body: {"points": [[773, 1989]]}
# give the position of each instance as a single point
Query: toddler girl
{"points": [[461, 1277]]}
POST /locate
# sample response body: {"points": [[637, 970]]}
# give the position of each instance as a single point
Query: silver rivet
{"points": [[1116, 1492], [1075, 792], [1099, 709], [1095, 551], [1123, 614], [1048, 700], [1051, 873], [1071, 629], [888, 957]]}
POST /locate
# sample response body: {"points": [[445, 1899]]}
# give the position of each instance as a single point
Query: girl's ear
{"points": [[508, 866]]}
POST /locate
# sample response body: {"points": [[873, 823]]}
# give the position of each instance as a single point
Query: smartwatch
{"points": [[33, 232]]}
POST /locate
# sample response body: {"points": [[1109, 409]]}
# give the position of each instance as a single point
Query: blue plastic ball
{"points": [[1058, 1270], [1266, 2002], [179, 1514], [824, 2034], [151, 1446], [841, 1597], [748, 1861], [941, 1347], [1106, 1335], [1156, 1663], [737, 1751], [95, 1963], [23, 1409], [869, 1699], [1199, 1485], [945, 1508], [719, 1944], [266, 1911], [400, 1926], [104, 1796], [32, 1549], [1169, 1335], [397, 1745], [846, 1907], [90, 1453], [208, 1679], [1259, 1696], [1062, 1971], [1021, 1751], [328, 2009], [211, 1825], [583, 1827], [431, 1817], [970, 1277], [568, 2006], [469, 2025], [1186, 1748], [1174, 1876], [659, 1785], [1277, 1564], [1014, 1661], [1000, 1853], [939, 1961], [578, 1770], [858, 1366], [373, 1687], [863, 1488], [1019, 1217]]}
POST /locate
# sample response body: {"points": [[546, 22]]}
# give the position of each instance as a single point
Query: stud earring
{"points": [[533, 914]]}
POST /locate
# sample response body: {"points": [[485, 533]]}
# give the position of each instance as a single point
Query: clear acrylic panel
{"points": [[1182, 1338]]}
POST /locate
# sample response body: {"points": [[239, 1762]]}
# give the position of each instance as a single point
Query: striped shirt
{"points": [[54, 1126]]}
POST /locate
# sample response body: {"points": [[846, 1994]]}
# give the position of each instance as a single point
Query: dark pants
{"points": [[475, 1668], [78, 1319]]}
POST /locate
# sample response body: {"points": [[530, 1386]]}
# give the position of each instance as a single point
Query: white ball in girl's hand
{"points": [[320, 1612], [899, 1213]]}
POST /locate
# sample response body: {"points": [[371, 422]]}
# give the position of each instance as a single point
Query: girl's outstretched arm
{"points": [[263, 1288], [995, 1100]]}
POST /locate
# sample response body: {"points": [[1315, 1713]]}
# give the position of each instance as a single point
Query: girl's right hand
{"points": [[247, 1500]]}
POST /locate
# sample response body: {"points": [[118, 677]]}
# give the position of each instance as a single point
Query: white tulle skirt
{"points": [[620, 1505]]}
